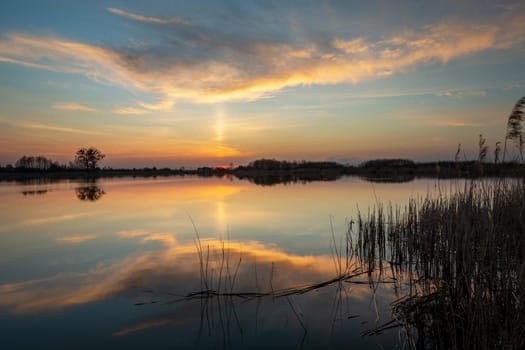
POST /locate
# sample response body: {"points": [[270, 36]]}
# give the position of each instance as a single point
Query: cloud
{"points": [[78, 239], [31, 125], [208, 66], [512, 86], [72, 106], [162, 105], [452, 122], [25, 64], [462, 93], [353, 46], [130, 110], [141, 18]]}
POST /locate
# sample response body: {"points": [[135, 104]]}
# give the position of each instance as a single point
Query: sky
{"points": [[180, 83]]}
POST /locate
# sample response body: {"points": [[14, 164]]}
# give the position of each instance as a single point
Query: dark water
{"points": [[110, 264]]}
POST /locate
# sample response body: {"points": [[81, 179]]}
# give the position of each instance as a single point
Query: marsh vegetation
{"points": [[461, 259], [455, 260]]}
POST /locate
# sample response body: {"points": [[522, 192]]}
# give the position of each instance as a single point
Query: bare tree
{"points": [[88, 158]]}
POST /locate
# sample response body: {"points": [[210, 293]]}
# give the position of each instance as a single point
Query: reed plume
{"points": [[514, 128]]}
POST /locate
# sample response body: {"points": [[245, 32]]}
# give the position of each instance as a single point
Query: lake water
{"points": [[111, 263]]}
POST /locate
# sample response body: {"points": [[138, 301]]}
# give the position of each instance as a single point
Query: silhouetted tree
{"points": [[88, 158]]}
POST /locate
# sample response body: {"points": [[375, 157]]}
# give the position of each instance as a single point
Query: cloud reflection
{"points": [[173, 271], [166, 239]]}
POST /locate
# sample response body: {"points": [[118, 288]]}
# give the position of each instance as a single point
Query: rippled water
{"points": [[110, 263]]}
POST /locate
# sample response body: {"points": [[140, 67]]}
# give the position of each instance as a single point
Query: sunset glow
{"points": [[170, 84]]}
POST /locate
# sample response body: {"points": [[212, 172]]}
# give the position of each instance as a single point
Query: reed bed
{"points": [[455, 261], [459, 262]]}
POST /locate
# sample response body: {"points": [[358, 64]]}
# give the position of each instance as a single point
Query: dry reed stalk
{"points": [[463, 258]]}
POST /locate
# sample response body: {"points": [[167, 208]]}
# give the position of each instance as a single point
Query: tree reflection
{"points": [[89, 193], [34, 192]]}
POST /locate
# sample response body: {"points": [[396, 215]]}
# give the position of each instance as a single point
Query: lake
{"points": [[116, 263]]}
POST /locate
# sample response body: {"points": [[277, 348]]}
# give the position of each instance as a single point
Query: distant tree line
{"points": [[273, 164], [85, 159], [37, 163], [394, 163]]}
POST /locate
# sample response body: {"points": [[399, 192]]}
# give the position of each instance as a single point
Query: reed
{"points": [[461, 260], [455, 260]]}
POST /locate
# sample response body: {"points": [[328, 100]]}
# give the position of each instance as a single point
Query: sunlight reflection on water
{"points": [[112, 268]]}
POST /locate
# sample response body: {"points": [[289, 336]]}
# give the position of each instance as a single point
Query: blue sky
{"points": [[209, 82]]}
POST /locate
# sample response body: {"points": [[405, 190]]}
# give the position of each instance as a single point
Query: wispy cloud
{"points": [[130, 110], [512, 86], [203, 66], [48, 127], [147, 19], [72, 106], [452, 123], [78, 239], [31, 125], [25, 64], [462, 93], [161, 105]]}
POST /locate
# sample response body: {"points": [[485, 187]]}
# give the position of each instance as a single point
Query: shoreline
{"points": [[378, 173]]}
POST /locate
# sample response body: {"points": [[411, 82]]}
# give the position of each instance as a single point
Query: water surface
{"points": [[107, 263]]}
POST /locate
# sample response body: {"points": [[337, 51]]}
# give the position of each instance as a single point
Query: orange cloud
{"points": [[78, 239], [141, 18], [258, 70], [129, 111], [72, 106], [452, 122], [31, 125]]}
